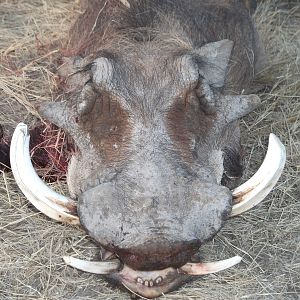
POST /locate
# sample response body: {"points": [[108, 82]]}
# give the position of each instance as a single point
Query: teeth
{"points": [[140, 280], [158, 280], [149, 282]]}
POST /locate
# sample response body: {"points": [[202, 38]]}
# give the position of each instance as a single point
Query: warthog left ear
{"points": [[55, 112], [214, 61]]}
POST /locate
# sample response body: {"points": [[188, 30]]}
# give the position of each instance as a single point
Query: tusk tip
{"points": [[210, 267], [67, 259], [274, 140], [22, 127], [273, 137], [234, 260]]}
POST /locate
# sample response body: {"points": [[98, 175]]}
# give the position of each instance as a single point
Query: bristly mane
{"points": [[173, 26]]}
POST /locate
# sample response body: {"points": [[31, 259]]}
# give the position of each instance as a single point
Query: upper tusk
{"points": [[96, 267], [211, 267], [261, 183], [52, 204]]}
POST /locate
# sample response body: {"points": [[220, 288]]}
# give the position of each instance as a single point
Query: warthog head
{"points": [[158, 146], [152, 134]]}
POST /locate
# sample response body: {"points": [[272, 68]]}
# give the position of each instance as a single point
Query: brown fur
{"points": [[95, 27], [108, 126], [186, 121]]}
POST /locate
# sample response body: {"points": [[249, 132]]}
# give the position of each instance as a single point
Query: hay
{"points": [[267, 237]]}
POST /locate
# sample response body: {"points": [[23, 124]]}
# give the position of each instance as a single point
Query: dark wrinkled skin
{"points": [[158, 138]]}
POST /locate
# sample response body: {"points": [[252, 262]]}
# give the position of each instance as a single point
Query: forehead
{"points": [[150, 74], [151, 64]]}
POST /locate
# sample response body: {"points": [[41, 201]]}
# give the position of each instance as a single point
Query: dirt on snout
{"points": [[267, 237]]}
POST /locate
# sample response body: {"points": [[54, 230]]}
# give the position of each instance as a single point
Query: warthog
{"points": [[153, 93]]}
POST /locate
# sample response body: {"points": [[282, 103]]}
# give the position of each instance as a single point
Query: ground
{"points": [[267, 237]]}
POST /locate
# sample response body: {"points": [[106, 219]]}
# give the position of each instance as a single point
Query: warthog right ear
{"points": [[214, 61], [65, 116]]}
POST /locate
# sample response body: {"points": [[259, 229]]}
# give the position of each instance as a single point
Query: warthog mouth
{"points": [[147, 284], [150, 284]]}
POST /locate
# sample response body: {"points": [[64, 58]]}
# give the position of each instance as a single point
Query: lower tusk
{"points": [[112, 266], [52, 204], [261, 183], [95, 267], [149, 284], [208, 268]]}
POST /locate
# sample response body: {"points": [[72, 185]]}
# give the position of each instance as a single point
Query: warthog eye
{"points": [[188, 119], [106, 122], [205, 97]]}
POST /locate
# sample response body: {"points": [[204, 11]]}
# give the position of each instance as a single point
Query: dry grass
{"points": [[268, 237]]}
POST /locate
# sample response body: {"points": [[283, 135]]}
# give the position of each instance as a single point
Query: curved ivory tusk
{"points": [[211, 267], [52, 204], [112, 266], [261, 183], [95, 267]]}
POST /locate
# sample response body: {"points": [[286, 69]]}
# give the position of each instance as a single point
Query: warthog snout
{"points": [[151, 217]]}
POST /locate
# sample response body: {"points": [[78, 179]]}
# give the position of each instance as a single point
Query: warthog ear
{"points": [[234, 107], [214, 61], [102, 72], [65, 116], [55, 112]]}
